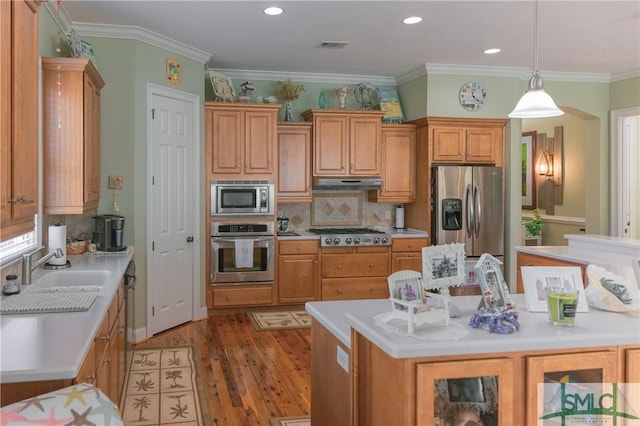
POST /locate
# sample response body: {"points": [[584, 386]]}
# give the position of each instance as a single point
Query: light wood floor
{"points": [[249, 376]]}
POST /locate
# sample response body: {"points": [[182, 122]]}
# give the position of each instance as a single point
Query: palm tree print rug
{"points": [[162, 388], [279, 320]]}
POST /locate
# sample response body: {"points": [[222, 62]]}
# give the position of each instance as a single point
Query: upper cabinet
{"points": [[18, 116], [240, 140], [346, 143], [398, 165], [294, 157], [466, 140], [71, 99]]}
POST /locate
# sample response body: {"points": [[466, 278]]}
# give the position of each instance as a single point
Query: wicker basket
{"points": [[76, 247]]}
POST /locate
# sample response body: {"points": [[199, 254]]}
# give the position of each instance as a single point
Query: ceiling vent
{"points": [[334, 44]]}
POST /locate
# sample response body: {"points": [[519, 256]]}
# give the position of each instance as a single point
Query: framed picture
{"points": [[536, 279], [443, 265], [390, 104], [495, 291], [174, 72], [406, 286], [528, 170]]}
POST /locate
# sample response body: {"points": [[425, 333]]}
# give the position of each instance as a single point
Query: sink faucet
{"points": [[27, 268]]}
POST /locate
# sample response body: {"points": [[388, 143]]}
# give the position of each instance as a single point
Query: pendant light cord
{"points": [[535, 36]]}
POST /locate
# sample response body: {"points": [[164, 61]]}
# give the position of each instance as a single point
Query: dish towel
{"points": [[243, 256]]}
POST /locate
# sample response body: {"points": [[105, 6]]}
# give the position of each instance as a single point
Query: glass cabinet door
{"points": [[454, 393], [583, 367]]}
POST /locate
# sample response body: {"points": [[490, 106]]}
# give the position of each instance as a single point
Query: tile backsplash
{"points": [[339, 208]]}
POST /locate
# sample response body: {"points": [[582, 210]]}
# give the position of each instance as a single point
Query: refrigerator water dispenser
{"points": [[452, 214]]}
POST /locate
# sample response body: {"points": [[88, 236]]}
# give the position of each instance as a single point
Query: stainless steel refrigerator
{"points": [[468, 208]]}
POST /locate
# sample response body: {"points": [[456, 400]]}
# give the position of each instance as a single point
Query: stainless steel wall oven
{"points": [[242, 253]]}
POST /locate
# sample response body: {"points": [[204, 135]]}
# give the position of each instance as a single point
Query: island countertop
{"points": [[592, 329], [37, 347]]}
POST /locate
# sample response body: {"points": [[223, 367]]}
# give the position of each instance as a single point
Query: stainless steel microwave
{"points": [[242, 198]]}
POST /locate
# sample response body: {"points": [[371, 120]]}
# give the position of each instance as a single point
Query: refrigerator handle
{"points": [[470, 217], [477, 210]]}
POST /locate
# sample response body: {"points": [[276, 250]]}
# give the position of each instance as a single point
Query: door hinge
{"points": [[153, 245], [153, 311], [153, 180], [153, 113]]}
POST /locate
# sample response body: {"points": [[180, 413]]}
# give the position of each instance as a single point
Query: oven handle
{"points": [[232, 240]]}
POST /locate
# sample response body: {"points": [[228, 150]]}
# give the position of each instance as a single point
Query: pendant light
{"points": [[536, 102]]}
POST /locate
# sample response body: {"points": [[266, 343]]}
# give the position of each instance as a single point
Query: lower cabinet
{"points": [[498, 389], [406, 254], [355, 273], [242, 295], [298, 271]]}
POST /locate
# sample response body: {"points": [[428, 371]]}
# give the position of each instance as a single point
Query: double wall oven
{"points": [[242, 253]]}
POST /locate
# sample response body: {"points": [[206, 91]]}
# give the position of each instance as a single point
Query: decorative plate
{"points": [[222, 87]]}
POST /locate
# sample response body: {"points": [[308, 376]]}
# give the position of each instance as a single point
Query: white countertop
{"points": [[592, 329], [613, 254], [53, 346]]}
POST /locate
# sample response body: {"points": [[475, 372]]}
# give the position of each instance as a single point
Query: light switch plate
{"points": [[343, 358]]}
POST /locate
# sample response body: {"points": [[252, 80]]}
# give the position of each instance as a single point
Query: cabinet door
{"points": [[582, 367], [259, 132], [5, 113], [364, 146], [479, 389], [354, 288], [298, 278], [294, 168], [481, 145], [398, 166], [226, 134], [448, 144], [632, 366], [406, 262], [87, 373], [330, 146]]}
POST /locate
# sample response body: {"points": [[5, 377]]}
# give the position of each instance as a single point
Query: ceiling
{"points": [[583, 37]]}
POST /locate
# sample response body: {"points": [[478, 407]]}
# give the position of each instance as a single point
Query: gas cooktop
{"points": [[344, 237]]}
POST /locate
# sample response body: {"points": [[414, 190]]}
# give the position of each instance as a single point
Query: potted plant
{"points": [[533, 228], [289, 91]]}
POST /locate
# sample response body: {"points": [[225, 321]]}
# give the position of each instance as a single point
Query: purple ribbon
{"points": [[501, 320]]}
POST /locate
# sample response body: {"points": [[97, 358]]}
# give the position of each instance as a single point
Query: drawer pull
{"points": [[90, 378]]}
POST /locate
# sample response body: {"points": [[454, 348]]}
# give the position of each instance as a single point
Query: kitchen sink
{"points": [[71, 281]]}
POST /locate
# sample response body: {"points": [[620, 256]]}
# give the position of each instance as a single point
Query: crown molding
{"points": [[307, 77], [625, 75]]}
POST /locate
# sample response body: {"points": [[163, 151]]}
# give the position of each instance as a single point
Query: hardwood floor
{"points": [[249, 376]]}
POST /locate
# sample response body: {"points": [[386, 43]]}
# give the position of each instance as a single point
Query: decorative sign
{"points": [[174, 72]]}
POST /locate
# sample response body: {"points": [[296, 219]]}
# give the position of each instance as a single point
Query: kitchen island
{"points": [[389, 378], [44, 352]]}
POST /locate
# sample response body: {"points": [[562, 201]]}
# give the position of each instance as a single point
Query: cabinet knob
{"points": [[339, 291], [90, 378], [340, 266], [105, 337], [299, 248], [371, 266], [228, 298], [257, 296]]}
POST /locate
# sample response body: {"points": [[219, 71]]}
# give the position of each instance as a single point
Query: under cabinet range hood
{"points": [[347, 183]]}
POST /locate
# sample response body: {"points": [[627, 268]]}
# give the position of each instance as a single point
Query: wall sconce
{"points": [[544, 165]]}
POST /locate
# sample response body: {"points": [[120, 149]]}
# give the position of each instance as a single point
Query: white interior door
{"points": [[625, 138], [170, 278]]}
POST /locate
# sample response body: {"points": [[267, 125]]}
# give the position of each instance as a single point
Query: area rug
{"points": [[163, 387], [290, 421], [279, 320]]}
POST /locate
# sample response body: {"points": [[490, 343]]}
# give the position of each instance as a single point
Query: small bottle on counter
{"points": [[11, 286]]}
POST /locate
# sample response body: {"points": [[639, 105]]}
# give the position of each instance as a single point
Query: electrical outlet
{"points": [[343, 358], [387, 215]]}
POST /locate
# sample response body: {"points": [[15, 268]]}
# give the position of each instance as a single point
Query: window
{"points": [[12, 249]]}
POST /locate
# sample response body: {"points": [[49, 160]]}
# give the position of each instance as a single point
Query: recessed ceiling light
{"points": [[273, 11], [412, 20], [492, 51]]}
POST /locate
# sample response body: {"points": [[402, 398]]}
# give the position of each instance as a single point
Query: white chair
{"points": [[411, 303]]}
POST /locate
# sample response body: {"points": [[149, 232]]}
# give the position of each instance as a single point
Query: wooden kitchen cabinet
{"points": [[298, 271], [632, 366], [240, 140], [588, 366], [398, 165], [467, 141], [243, 295], [355, 273], [406, 254], [528, 259], [71, 106], [294, 157], [346, 143], [18, 117]]}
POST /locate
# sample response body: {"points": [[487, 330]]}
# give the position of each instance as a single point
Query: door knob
{"points": [[190, 239]]}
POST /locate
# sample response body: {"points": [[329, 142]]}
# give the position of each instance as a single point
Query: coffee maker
{"points": [[108, 232]]}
